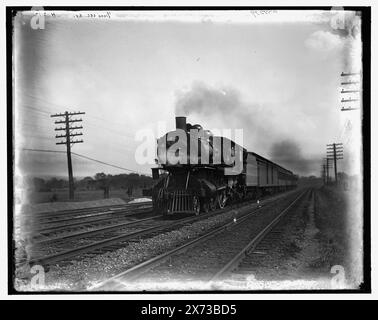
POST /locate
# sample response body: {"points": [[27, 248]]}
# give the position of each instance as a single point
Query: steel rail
{"points": [[103, 243], [125, 212], [69, 212], [255, 241], [78, 223], [138, 270], [60, 256], [82, 234]]}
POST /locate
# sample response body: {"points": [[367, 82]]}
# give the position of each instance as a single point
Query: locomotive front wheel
{"points": [[196, 205]]}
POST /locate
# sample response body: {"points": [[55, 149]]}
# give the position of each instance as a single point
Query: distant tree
{"points": [[132, 181], [55, 183], [100, 176], [342, 175], [86, 183], [39, 184]]}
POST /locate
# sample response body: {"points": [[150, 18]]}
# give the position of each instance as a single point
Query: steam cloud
{"points": [[288, 154], [224, 108], [203, 99]]}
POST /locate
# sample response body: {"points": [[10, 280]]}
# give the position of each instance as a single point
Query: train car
{"points": [[218, 172], [266, 177]]}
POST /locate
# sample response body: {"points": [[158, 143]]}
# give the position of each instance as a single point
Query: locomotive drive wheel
{"points": [[196, 205], [222, 198]]}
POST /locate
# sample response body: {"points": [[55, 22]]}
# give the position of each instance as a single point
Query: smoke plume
{"points": [[288, 154], [203, 99], [224, 107]]}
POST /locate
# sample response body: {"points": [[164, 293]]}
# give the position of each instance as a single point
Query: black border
{"points": [[365, 287]]}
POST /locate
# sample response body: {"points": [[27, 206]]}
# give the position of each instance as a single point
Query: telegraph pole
{"points": [[324, 174], [335, 152], [327, 166], [351, 87], [66, 121]]}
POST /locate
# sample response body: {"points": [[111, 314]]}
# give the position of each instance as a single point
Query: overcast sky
{"points": [[277, 76]]}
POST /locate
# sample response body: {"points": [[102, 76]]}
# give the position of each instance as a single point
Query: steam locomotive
{"points": [[200, 172]]}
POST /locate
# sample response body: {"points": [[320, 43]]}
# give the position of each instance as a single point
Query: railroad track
{"points": [[32, 228], [86, 244], [45, 231], [94, 241], [242, 263], [69, 215], [221, 240]]}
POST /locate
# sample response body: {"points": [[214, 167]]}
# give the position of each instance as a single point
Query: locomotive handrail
{"points": [[187, 180]]}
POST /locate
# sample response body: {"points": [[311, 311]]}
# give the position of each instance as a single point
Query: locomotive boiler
{"points": [[199, 172]]}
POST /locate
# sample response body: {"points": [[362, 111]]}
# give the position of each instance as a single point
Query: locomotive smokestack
{"points": [[181, 123]]}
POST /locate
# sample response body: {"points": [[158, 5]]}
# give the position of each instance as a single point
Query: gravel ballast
{"points": [[83, 274]]}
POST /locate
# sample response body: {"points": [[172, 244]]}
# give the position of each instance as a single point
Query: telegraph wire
{"points": [[60, 106], [42, 150], [108, 164], [35, 109], [93, 125], [86, 157]]}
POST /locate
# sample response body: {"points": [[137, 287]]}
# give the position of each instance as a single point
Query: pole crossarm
{"points": [[71, 128], [71, 135], [347, 74], [349, 100], [69, 121], [350, 82], [348, 91], [353, 87], [71, 142], [66, 113]]}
